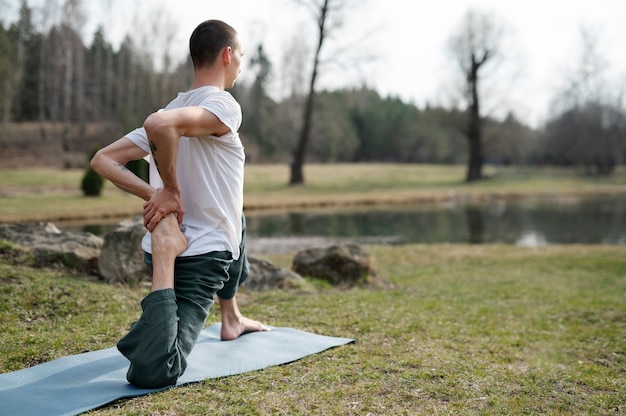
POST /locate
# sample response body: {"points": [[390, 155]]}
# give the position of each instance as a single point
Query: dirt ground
{"points": [[24, 145]]}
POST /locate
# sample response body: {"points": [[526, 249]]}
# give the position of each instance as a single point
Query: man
{"points": [[194, 211]]}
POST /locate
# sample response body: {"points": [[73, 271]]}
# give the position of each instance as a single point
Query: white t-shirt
{"points": [[210, 173]]}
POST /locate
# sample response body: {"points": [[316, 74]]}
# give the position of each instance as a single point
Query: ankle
{"points": [[167, 242]]}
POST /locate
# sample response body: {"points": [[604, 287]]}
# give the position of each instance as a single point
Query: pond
{"points": [[529, 222]]}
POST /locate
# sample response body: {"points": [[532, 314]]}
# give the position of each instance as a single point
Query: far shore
{"points": [[336, 203], [51, 195]]}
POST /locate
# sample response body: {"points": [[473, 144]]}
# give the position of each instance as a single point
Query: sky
{"points": [[399, 47]]}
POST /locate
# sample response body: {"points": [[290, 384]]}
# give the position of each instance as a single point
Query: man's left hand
{"points": [[162, 203]]}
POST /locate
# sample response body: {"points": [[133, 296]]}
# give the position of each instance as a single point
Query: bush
{"points": [[92, 183], [140, 167]]}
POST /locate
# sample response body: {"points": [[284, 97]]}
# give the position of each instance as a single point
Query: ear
{"points": [[226, 55]]}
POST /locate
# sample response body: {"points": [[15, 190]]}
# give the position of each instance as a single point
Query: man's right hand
{"points": [[162, 203]]}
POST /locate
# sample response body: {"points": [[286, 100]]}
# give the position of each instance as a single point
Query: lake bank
{"points": [[53, 195]]}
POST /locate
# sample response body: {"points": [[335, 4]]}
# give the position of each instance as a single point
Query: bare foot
{"points": [[168, 242], [234, 328], [168, 233]]}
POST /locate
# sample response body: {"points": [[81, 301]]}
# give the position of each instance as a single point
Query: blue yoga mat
{"points": [[78, 383]]}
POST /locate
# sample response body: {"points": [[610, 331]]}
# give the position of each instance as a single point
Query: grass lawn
{"points": [[455, 329], [446, 329]]}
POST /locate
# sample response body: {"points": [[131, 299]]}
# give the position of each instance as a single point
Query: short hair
{"points": [[208, 39]]}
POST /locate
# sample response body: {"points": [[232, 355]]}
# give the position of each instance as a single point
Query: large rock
{"points": [[267, 276], [51, 246], [341, 265], [118, 257], [121, 258], [121, 261]]}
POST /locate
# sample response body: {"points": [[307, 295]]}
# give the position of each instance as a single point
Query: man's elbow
{"points": [[96, 161], [162, 125], [100, 161], [155, 124]]}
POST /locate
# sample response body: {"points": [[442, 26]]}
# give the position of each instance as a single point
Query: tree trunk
{"points": [[96, 84], [108, 84], [6, 109], [297, 174], [67, 93], [19, 72], [297, 165], [474, 133], [41, 87], [80, 89], [119, 85]]}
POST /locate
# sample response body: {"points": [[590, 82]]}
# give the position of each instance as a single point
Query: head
{"points": [[214, 41]]}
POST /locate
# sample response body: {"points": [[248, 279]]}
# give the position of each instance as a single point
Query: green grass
{"points": [[447, 329], [52, 195]]}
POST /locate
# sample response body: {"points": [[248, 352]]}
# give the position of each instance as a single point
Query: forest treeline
{"points": [[52, 75]]}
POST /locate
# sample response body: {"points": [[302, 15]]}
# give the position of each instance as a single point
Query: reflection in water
{"points": [[532, 222], [531, 239], [296, 221], [475, 224]]}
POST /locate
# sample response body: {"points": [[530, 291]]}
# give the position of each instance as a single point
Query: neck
{"points": [[208, 77]]}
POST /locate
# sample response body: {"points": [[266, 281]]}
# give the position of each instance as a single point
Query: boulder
{"points": [[265, 275], [121, 261], [118, 257], [121, 257], [51, 246], [340, 265]]}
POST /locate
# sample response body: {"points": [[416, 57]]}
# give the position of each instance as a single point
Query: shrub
{"points": [[92, 183], [140, 167]]}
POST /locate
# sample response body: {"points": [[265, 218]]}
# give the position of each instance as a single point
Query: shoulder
{"points": [[225, 107], [221, 97], [212, 98], [202, 95]]}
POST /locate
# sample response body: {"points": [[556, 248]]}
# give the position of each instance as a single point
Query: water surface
{"points": [[529, 222]]}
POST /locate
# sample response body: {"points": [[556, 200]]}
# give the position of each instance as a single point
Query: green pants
{"points": [[158, 344]]}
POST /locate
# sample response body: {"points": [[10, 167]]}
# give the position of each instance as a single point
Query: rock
{"points": [[121, 261], [121, 258], [267, 276], [50, 245], [341, 265], [118, 257]]}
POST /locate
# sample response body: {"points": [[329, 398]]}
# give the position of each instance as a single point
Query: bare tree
{"points": [[155, 50], [293, 66], [47, 15], [589, 122], [7, 71], [475, 44], [327, 14], [11, 67], [7, 75], [24, 26], [586, 79], [73, 64]]}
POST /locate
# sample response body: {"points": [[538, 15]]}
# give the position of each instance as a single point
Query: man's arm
{"points": [[164, 130], [110, 163]]}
